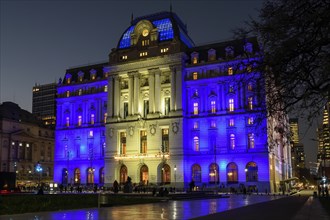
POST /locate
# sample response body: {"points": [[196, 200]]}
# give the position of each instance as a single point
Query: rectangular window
{"points": [[196, 143], [250, 87], [195, 75], [80, 92], [232, 141], [196, 125], [92, 119], [105, 118], [250, 141], [195, 60], [143, 54], [213, 107], [195, 108], [67, 121], [145, 108], [250, 121], [122, 142], [231, 122], [231, 105], [165, 141], [167, 106], [213, 124], [164, 50], [143, 142], [250, 103], [105, 88], [67, 93], [125, 109], [91, 133], [230, 71], [79, 120]]}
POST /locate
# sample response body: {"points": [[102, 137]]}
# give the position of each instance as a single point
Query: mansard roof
{"points": [[85, 72], [169, 26], [238, 47]]}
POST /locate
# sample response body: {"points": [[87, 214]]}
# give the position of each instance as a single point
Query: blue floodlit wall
{"points": [[80, 147], [214, 130]]}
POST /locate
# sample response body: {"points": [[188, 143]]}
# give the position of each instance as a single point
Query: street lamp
{"points": [[39, 170], [174, 177]]}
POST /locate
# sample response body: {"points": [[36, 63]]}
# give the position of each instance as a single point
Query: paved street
{"points": [[251, 207]]}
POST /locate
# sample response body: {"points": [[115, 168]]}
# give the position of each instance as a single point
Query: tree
{"points": [[295, 40]]}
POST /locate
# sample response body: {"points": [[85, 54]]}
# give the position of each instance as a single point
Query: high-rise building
{"points": [[175, 113], [324, 142], [294, 130], [25, 145], [44, 103]]}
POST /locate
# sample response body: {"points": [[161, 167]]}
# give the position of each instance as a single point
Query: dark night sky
{"points": [[41, 39]]}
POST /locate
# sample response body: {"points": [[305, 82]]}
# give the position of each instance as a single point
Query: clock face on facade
{"points": [[145, 32]]}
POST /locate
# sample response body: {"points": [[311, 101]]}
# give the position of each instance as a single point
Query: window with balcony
{"points": [[195, 108], [195, 75], [143, 142], [165, 140], [231, 105], [79, 120], [122, 142], [196, 143], [213, 107]]}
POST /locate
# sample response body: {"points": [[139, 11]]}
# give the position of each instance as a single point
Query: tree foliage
{"points": [[295, 40]]}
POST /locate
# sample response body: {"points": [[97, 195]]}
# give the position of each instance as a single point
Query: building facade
{"points": [[175, 113], [25, 144], [324, 143], [80, 126], [44, 103]]}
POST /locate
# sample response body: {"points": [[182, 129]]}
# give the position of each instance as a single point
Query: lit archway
{"points": [[123, 174], [251, 171], [232, 173], [144, 175]]}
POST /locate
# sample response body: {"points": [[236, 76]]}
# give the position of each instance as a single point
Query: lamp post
{"points": [[39, 170], [174, 178]]}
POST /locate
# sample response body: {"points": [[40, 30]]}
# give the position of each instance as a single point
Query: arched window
{"points": [[77, 178], [231, 105], [214, 173], [123, 174], [251, 171], [90, 175], [196, 173], [196, 143], [101, 175], [65, 175], [232, 142], [232, 173], [144, 175], [166, 174]]}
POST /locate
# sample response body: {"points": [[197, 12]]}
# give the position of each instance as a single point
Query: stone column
{"points": [[116, 96], [151, 79], [136, 92], [130, 93], [157, 90], [173, 90], [110, 97], [178, 88]]}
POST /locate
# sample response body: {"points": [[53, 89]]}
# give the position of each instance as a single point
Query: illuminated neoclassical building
{"points": [[175, 112]]}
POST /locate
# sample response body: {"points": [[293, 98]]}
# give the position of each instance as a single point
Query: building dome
{"points": [[162, 26]]}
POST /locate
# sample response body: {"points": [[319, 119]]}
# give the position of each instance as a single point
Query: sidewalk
{"points": [[287, 208]]}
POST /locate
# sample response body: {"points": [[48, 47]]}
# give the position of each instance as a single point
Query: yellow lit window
{"points": [[195, 108], [250, 87], [195, 75], [250, 103], [105, 88], [196, 144], [123, 58], [230, 71], [143, 54], [93, 76], [79, 120], [105, 118], [164, 50], [231, 122], [213, 107], [231, 105], [67, 93], [195, 60], [92, 119], [80, 92], [249, 69], [68, 80], [250, 120]]}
